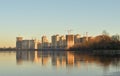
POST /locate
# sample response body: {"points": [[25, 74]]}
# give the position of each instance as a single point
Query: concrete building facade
{"points": [[76, 39], [55, 41], [25, 44], [62, 42], [45, 42], [69, 41], [19, 42], [28, 44]]}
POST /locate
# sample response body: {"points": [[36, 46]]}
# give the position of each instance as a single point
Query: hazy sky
{"points": [[34, 18]]}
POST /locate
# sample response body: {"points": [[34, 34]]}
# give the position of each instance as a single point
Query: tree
{"points": [[116, 37], [105, 33]]}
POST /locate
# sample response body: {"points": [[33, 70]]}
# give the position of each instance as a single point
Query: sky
{"points": [[35, 18]]}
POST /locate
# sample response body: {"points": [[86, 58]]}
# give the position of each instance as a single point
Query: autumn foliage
{"points": [[100, 42]]}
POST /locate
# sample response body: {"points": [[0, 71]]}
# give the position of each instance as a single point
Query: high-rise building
{"points": [[55, 41], [44, 39], [77, 39], [29, 44], [62, 42], [26, 44], [39, 45], [45, 42], [69, 41], [19, 42]]}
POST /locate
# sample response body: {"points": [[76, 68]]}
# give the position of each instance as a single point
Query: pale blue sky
{"points": [[34, 18]]}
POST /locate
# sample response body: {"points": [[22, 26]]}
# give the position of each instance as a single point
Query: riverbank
{"points": [[85, 51]]}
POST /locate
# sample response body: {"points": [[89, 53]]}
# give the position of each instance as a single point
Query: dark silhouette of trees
{"points": [[116, 37], [105, 33], [100, 42]]}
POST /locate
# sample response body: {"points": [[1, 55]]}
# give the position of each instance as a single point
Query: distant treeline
{"points": [[7, 49], [100, 42]]}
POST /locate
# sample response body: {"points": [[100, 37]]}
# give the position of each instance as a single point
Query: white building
{"points": [[26, 44], [45, 42], [62, 42], [55, 41]]}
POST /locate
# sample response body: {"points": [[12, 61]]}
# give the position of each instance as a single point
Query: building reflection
{"points": [[64, 58]]}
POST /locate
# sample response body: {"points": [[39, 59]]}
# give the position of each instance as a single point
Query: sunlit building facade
{"points": [[45, 42], [39, 45], [69, 41], [57, 42]]}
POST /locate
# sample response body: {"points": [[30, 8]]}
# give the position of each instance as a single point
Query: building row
{"points": [[57, 41], [26, 44]]}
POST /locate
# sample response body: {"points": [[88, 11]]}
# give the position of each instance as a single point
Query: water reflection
{"points": [[57, 63], [56, 58], [65, 58]]}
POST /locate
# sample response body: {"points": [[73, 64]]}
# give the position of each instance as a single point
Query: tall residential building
{"points": [[69, 41], [77, 39], [62, 42], [29, 44], [19, 42], [39, 45], [26, 44], [83, 39], [55, 41], [45, 42]]}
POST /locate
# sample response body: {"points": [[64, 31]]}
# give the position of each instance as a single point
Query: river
{"points": [[56, 63]]}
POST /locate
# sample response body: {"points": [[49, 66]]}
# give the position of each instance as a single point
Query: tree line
{"points": [[100, 42]]}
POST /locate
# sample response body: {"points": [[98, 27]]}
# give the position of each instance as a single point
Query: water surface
{"points": [[56, 63]]}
